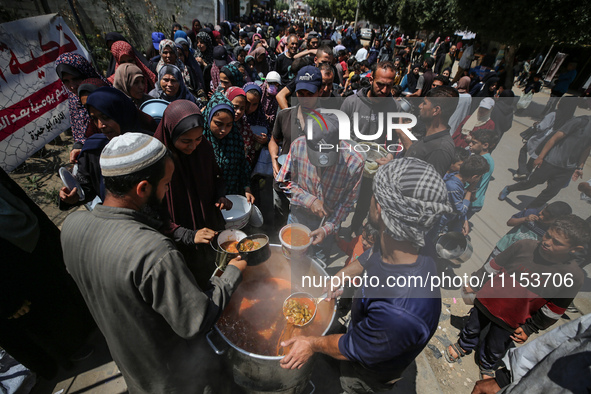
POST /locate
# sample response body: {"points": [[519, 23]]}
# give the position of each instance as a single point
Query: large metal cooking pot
{"points": [[252, 325]]}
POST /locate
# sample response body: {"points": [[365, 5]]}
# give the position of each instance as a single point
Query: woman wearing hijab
{"points": [[196, 192], [72, 69], [110, 39], [228, 145], [130, 80], [261, 62], [186, 53], [254, 109], [169, 55], [269, 103], [123, 54], [480, 119], [113, 114], [204, 50], [464, 102], [412, 78], [230, 75], [195, 27], [248, 70], [237, 96], [171, 85]]}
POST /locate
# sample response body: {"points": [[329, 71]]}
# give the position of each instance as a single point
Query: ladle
{"points": [[315, 300]]}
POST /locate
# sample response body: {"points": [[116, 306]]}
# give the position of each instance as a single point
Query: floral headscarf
{"points": [[207, 56], [243, 126], [79, 118], [229, 151]]}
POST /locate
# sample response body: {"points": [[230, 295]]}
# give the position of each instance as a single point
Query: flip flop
{"points": [[487, 374], [459, 351]]}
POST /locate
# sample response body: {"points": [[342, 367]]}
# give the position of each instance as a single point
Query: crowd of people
{"points": [[240, 99]]}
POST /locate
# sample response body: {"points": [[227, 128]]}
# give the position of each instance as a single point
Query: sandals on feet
{"points": [[459, 351], [487, 374]]}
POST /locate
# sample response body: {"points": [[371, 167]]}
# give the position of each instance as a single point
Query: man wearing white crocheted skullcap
{"points": [[129, 153], [396, 309], [135, 281]]}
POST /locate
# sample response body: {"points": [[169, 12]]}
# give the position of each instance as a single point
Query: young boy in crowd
{"points": [[513, 300], [460, 155], [458, 196], [482, 143], [359, 244], [530, 223]]}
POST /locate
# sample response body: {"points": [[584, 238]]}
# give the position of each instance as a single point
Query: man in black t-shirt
{"points": [[284, 61]]}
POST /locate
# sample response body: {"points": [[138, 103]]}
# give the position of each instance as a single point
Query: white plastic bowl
{"points": [[239, 215], [288, 249]]}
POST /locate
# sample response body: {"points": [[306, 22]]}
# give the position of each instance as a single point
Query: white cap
{"points": [[487, 103], [273, 77], [130, 153]]}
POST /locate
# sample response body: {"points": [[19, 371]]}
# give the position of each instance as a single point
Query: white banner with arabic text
{"points": [[33, 101]]}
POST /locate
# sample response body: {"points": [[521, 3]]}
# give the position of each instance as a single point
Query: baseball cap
{"points": [[156, 38], [487, 103], [219, 56], [322, 147], [309, 78], [273, 77]]}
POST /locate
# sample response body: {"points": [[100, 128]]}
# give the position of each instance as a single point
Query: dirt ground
{"points": [[39, 177]]}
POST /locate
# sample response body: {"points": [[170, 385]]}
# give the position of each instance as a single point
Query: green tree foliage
{"points": [[281, 5], [343, 9], [319, 8]]}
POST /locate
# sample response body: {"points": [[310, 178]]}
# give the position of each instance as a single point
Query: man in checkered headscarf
{"points": [[412, 197], [395, 310]]}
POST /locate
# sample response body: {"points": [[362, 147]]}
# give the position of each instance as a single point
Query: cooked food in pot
{"points": [[249, 245], [230, 246], [299, 311]]}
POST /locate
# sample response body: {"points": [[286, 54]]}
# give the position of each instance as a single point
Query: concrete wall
{"points": [[135, 19]]}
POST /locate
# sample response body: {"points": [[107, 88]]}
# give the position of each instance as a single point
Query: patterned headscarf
{"points": [[243, 126], [121, 48], [207, 56], [269, 105], [234, 74], [412, 196], [183, 93], [79, 118], [229, 151]]}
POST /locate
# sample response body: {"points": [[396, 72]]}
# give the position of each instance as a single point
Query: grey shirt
{"points": [[567, 152], [143, 298], [436, 149]]}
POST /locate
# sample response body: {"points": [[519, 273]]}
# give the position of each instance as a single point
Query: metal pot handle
{"points": [[212, 345], [319, 262]]}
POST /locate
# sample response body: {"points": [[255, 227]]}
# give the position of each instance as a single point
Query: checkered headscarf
{"points": [[412, 196]]}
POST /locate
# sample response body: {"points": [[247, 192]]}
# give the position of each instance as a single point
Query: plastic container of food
{"points": [[295, 239]]}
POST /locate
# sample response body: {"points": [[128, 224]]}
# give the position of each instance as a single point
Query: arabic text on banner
{"points": [[33, 101]]}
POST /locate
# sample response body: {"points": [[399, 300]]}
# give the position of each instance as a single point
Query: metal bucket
{"points": [[262, 373], [455, 247]]}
